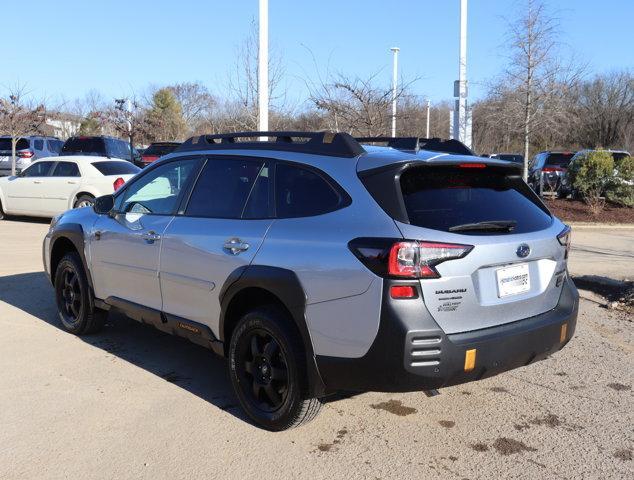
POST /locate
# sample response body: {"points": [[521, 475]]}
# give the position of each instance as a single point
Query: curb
{"points": [[600, 226]]}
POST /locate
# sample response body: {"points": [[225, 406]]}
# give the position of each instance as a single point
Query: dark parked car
{"points": [[156, 150], [547, 169], [101, 146], [27, 150]]}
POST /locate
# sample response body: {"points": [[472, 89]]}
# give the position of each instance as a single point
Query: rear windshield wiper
{"points": [[486, 226]]}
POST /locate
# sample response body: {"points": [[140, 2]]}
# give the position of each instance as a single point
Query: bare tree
{"points": [[197, 104], [19, 117], [127, 122], [536, 82]]}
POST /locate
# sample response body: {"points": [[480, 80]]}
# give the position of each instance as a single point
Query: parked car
{"points": [[546, 170], [323, 265], [156, 150], [50, 186], [28, 150], [566, 188], [509, 157], [101, 146]]}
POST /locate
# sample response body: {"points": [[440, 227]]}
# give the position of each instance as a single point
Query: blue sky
{"points": [[68, 47]]}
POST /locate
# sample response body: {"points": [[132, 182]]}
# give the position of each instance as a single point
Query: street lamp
{"points": [[263, 69], [395, 51], [428, 109]]}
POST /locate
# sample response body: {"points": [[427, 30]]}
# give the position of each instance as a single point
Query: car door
{"points": [[59, 187], [125, 245], [24, 192], [221, 230]]}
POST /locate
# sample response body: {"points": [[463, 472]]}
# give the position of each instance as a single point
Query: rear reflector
{"points": [[118, 183], [564, 333], [469, 360], [402, 291]]}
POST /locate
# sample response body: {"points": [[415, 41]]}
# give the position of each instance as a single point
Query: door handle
{"points": [[37, 181], [235, 246], [150, 236], [72, 182]]}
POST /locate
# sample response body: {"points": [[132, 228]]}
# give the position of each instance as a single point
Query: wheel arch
{"points": [[82, 191], [249, 287], [66, 238]]}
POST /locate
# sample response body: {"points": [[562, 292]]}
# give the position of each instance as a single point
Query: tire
{"points": [[84, 201], [2, 214], [75, 303], [268, 370]]}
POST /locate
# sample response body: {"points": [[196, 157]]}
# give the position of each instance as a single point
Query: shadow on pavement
{"points": [[608, 288], [178, 361]]}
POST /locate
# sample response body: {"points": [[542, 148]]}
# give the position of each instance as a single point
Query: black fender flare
{"points": [[75, 233], [285, 285]]}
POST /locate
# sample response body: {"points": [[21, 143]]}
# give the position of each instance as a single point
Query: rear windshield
{"points": [[159, 150], [84, 146], [443, 197], [116, 168], [559, 159], [618, 156], [509, 157], [5, 144]]}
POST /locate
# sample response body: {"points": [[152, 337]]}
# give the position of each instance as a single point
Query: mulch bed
{"points": [[577, 211]]}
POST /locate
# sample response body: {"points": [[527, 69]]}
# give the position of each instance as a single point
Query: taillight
{"points": [[405, 259], [418, 259], [565, 238], [472, 165], [25, 154], [553, 169], [118, 183]]}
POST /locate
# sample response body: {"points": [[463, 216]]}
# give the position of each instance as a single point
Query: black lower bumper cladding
{"points": [[411, 352]]}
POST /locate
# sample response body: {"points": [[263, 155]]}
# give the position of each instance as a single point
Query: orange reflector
{"points": [[469, 360], [563, 333]]}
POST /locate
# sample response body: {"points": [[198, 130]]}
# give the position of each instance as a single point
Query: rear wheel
{"points": [[73, 295], [84, 201], [268, 371]]}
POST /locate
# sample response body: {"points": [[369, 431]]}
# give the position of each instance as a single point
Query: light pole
{"points": [[395, 51], [461, 118], [263, 69], [428, 109]]}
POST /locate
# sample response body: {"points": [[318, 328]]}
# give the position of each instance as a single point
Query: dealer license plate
{"points": [[513, 280]]}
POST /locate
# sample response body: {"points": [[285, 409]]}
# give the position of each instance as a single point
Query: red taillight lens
{"points": [[118, 183], [402, 291], [472, 165], [564, 238], [25, 154], [418, 259], [553, 169]]}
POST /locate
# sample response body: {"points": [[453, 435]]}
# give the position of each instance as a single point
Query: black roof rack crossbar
{"points": [[400, 143], [415, 143], [318, 143]]}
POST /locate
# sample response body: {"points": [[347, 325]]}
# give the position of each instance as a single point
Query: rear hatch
{"points": [[514, 263], [6, 152]]}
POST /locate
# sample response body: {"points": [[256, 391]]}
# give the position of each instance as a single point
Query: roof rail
{"points": [[415, 143], [317, 143]]}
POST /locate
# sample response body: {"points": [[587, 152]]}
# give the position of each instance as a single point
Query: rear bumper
{"points": [[411, 352]]}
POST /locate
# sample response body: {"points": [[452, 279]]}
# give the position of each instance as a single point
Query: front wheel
{"points": [[268, 370], [73, 295]]}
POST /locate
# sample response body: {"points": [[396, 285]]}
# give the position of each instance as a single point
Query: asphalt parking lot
{"points": [[132, 402]]}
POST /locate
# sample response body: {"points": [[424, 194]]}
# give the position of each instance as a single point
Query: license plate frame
{"points": [[513, 280]]}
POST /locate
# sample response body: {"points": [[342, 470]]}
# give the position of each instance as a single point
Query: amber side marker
{"points": [[563, 333], [469, 360]]}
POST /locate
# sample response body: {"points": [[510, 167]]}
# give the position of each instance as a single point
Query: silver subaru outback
{"points": [[317, 264]]}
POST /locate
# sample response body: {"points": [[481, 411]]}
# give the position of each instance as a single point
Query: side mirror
{"points": [[104, 205]]}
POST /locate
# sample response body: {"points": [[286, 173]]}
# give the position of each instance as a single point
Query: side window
{"points": [[38, 144], [38, 169], [224, 187], [118, 149], [65, 169], [54, 145], [159, 191], [300, 192]]}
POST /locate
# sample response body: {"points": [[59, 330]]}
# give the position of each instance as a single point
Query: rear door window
{"points": [[224, 186], [38, 144], [300, 192], [443, 197], [118, 149], [65, 169]]}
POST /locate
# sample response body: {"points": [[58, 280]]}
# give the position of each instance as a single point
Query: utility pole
{"points": [[395, 51], [263, 69], [462, 117], [428, 109]]}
